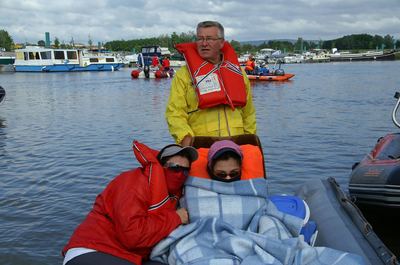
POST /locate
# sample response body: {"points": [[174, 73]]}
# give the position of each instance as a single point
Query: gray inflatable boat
{"points": [[341, 225]]}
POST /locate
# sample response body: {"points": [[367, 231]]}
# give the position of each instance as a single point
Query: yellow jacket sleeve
{"points": [[177, 111], [248, 111]]}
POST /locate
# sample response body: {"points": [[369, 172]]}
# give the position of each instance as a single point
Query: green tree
{"points": [[388, 41], [56, 43], [236, 46], [41, 43], [6, 41], [299, 45]]}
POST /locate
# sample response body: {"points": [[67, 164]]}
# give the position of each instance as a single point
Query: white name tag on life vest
{"points": [[208, 84]]}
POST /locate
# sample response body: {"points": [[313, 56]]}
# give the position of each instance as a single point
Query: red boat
{"points": [[270, 77]]}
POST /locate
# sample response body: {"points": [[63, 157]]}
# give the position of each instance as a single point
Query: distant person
{"points": [[166, 63], [155, 62], [250, 65], [225, 161], [135, 211], [211, 95]]}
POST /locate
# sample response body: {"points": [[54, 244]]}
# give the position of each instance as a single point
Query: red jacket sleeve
{"points": [[135, 226]]}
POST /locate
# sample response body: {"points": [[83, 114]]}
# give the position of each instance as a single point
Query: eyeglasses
{"points": [[207, 39], [223, 175], [177, 168]]}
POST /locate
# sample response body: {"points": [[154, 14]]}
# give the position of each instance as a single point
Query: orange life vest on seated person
{"points": [[215, 84], [250, 65], [252, 163]]}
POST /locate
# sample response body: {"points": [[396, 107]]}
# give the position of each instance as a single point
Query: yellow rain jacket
{"points": [[185, 118]]}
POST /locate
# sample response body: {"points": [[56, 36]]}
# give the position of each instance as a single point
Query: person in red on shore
{"points": [[166, 63], [135, 211], [155, 62]]}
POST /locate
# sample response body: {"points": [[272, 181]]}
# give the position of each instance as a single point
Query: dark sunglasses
{"points": [[176, 167], [233, 174]]}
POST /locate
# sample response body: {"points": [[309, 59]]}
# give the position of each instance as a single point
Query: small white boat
{"points": [[337, 56], [39, 59]]}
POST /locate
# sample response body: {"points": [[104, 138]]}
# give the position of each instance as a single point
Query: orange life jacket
{"points": [[250, 65], [252, 164], [215, 84]]}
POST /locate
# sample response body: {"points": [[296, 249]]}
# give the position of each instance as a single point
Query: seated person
{"points": [[250, 66], [155, 62], [232, 221], [225, 161], [135, 211], [165, 63]]}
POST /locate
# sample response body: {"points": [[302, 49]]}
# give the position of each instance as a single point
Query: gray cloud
{"points": [[106, 20]]}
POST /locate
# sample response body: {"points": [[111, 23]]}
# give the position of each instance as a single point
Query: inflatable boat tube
{"points": [[270, 77], [341, 224]]}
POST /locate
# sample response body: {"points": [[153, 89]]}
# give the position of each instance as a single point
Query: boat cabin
{"points": [[147, 53]]}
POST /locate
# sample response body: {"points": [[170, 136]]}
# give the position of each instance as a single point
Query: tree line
{"points": [[354, 42]]}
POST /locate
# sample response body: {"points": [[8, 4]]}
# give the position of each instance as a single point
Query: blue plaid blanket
{"points": [[234, 223]]}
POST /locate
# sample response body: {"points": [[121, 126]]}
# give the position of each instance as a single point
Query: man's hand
{"points": [[187, 140], [183, 214]]}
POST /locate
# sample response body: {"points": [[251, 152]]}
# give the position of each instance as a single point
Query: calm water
{"points": [[64, 136]]}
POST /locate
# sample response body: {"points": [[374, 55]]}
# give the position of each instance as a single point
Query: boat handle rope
{"points": [[396, 95]]}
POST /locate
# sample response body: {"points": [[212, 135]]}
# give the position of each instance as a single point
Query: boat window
{"points": [[94, 60], [59, 55], [45, 55], [31, 56], [72, 55], [37, 57], [109, 59], [26, 56]]}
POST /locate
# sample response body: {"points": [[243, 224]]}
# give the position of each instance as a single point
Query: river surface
{"points": [[64, 136]]}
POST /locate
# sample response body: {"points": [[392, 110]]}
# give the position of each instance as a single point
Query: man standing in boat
{"points": [[211, 95]]}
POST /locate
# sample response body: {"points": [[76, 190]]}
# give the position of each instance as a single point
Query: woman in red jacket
{"points": [[135, 211]]}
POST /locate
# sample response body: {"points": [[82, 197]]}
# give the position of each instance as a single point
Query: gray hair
{"points": [[207, 24]]}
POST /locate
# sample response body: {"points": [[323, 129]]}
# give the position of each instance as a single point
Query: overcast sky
{"points": [[106, 20]]}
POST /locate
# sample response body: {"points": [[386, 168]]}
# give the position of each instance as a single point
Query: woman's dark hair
{"points": [[224, 156]]}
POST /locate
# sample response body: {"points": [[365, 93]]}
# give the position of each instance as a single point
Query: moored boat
{"points": [[39, 59], [365, 56]]}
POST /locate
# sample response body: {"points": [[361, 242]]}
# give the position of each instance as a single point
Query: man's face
{"points": [[209, 44]]}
